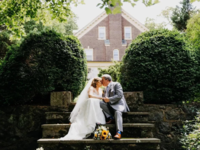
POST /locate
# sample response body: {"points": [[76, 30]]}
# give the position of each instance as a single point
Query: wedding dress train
{"points": [[85, 116]]}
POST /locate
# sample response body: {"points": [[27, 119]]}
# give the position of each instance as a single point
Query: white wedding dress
{"points": [[85, 115]]}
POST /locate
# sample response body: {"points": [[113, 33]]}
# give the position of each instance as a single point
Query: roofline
{"points": [[90, 25], [102, 16], [134, 21]]}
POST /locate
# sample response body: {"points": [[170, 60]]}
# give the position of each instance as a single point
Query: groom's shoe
{"points": [[118, 136], [111, 121]]}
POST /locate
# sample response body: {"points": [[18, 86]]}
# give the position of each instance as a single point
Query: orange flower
{"points": [[102, 137], [104, 133]]}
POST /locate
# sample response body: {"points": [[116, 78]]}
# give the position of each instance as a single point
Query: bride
{"points": [[87, 111]]}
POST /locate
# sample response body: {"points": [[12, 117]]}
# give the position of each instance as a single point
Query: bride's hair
{"points": [[95, 81]]}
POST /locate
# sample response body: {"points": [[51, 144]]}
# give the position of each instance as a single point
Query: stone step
{"points": [[137, 130], [124, 143], [63, 117]]}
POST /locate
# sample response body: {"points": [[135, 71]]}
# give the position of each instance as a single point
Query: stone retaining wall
{"points": [[20, 127], [168, 121]]}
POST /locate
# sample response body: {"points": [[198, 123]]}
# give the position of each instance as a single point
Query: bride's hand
{"points": [[105, 99]]}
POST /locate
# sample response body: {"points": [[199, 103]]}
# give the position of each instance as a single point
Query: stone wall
{"points": [[20, 126], [168, 120]]}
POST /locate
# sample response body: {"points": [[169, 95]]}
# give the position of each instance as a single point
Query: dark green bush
{"points": [[113, 71], [158, 63], [43, 62]]}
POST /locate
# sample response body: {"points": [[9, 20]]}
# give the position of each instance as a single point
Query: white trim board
{"points": [[134, 21], [91, 25]]}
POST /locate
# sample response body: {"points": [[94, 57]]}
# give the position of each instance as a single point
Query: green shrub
{"points": [[158, 63], [113, 70], [5, 42], [191, 134], [43, 62]]}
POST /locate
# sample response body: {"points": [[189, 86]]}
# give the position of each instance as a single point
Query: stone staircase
{"points": [[138, 134]]}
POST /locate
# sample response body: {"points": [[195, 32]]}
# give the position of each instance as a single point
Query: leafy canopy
{"points": [[14, 13], [182, 14], [193, 28], [151, 24]]}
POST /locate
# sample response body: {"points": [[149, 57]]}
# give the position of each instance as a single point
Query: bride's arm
{"points": [[91, 95]]}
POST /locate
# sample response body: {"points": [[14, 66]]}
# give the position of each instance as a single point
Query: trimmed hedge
{"points": [[43, 62], [158, 63]]}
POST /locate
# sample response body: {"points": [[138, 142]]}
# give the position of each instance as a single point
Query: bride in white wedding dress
{"points": [[87, 111]]}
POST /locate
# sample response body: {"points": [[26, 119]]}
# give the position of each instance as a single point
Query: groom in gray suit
{"points": [[114, 103]]}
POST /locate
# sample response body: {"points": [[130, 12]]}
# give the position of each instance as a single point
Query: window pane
{"points": [[101, 32], [116, 55], [89, 54], [127, 32]]}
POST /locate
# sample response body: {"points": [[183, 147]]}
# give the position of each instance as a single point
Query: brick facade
{"points": [[114, 33], [114, 27]]}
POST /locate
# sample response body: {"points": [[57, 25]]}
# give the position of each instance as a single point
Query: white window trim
{"points": [[125, 33], [92, 53], [118, 55], [105, 33]]}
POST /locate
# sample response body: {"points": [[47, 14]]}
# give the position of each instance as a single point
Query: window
{"points": [[116, 54], [102, 33], [89, 54], [127, 33]]}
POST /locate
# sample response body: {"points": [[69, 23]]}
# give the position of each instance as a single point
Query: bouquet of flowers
{"points": [[102, 133]]}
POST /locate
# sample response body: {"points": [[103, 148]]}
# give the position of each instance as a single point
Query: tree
{"points": [[151, 25], [182, 14], [14, 13], [65, 27], [193, 30], [113, 70], [5, 42], [167, 13]]}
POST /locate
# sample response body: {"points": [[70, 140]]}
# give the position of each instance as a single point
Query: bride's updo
{"points": [[95, 81]]}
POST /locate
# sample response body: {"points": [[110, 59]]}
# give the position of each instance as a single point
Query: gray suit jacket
{"points": [[116, 97]]}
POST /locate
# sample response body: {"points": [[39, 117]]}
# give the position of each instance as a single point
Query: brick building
{"points": [[106, 38]]}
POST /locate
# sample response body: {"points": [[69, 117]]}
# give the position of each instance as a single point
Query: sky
{"points": [[88, 11]]}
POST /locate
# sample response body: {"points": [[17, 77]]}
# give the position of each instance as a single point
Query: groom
{"points": [[114, 103]]}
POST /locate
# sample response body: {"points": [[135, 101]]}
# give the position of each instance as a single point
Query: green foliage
{"points": [[193, 28], [151, 25], [113, 70], [167, 13], [45, 61], [191, 134], [5, 42], [181, 15], [14, 13], [32, 25], [159, 63], [65, 27]]}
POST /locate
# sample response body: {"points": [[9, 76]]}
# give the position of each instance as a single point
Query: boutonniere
{"points": [[103, 89]]}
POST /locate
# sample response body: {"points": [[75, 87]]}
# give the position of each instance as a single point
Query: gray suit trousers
{"points": [[109, 111]]}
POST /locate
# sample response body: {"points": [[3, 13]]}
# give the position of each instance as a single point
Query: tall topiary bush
{"points": [[158, 63], [43, 62]]}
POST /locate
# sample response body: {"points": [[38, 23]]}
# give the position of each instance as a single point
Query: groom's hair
{"points": [[107, 77]]}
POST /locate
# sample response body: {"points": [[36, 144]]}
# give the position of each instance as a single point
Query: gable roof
{"points": [[102, 16]]}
